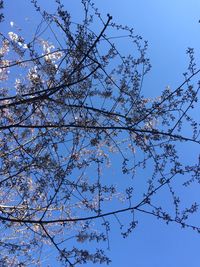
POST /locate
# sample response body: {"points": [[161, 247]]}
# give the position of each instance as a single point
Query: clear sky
{"points": [[170, 27]]}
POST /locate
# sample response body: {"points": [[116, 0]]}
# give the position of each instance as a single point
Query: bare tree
{"points": [[81, 145]]}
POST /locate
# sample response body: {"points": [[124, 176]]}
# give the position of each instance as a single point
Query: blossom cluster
{"points": [[17, 39], [49, 55]]}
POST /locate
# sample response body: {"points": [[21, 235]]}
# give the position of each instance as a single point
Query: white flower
{"points": [[4, 71], [33, 75], [22, 45], [5, 48], [49, 55], [47, 47], [13, 36], [11, 23], [17, 83], [54, 56]]}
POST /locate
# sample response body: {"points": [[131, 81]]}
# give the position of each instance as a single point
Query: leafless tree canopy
{"points": [[82, 145]]}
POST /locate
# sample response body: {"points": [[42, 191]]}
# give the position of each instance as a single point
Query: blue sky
{"points": [[170, 27]]}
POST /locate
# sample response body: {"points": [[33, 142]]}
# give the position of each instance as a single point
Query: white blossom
{"points": [[49, 55], [13, 36], [17, 83], [33, 75], [5, 48]]}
